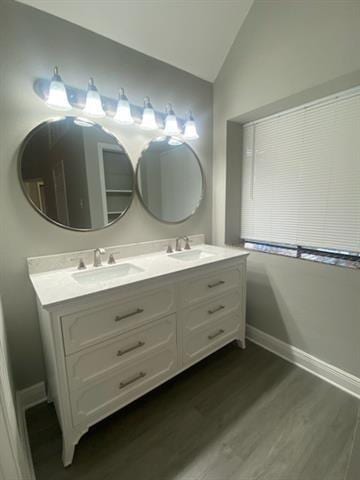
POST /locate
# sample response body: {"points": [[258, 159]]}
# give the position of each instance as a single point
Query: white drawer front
{"points": [[205, 341], [217, 282], [195, 318], [85, 328], [102, 360], [102, 398]]}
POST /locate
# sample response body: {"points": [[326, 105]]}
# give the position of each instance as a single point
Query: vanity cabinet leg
{"points": [[68, 452], [240, 342]]}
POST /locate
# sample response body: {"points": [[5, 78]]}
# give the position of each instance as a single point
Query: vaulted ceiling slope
{"points": [[194, 35]]}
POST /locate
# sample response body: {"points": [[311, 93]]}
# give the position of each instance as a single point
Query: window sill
{"points": [[337, 259]]}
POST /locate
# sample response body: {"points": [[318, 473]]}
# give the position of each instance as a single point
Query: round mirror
{"points": [[170, 180], [76, 174]]}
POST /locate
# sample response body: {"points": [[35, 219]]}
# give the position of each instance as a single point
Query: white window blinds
{"points": [[301, 176]]}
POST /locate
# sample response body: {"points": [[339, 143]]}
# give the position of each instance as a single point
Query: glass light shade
{"points": [[190, 132], [93, 105], [57, 97], [171, 125], [148, 118], [123, 111]]}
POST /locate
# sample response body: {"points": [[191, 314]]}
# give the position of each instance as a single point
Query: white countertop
{"points": [[57, 286]]}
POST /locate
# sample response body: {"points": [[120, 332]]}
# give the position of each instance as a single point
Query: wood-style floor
{"points": [[237, 415]]}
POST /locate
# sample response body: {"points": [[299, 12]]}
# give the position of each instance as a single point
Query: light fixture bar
{"points": [[107, 106]]}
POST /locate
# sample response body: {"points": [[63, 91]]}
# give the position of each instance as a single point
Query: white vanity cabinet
{"points": [[106, 349]]}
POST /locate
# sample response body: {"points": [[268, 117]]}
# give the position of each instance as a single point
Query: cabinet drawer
{"points": [[197, 317], [214, 336], [217, 282], [89, 365], [102, 398], [88, 327]]}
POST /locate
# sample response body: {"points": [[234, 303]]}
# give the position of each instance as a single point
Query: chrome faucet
{"points": [[97, 256], [178, 243]]}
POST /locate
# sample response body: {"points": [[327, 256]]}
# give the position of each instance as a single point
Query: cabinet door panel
{"points": [[204, 287], [102, 398], [197, 317], [88, 327], [206, 341], [101, 360]]}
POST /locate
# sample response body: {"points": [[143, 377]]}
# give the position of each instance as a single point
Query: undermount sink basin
{"points": [[104, 274], [191, 255]]}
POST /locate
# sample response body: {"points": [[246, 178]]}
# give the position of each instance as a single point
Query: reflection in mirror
{"points": [[76, 174], [170, 180]]}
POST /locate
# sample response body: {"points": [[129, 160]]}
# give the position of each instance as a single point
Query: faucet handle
{"points": [[111, 260], [81, 265], [169, 249], [187, 243]]}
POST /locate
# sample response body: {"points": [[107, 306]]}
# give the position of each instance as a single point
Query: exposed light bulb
{"points": [[93, 104], [148, 118], [171, 125], [190, 132], [123, 111], [57, 97]]}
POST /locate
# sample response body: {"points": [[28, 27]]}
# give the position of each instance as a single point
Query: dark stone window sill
{"points": [[329, 257]]}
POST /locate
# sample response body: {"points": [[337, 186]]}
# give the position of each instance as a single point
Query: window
{"points": [[301, 178], [331, 257]]}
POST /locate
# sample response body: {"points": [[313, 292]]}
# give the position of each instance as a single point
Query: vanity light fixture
{"points": [[190, 132], [93, 104], [171, 124], [148, 118], [123, 111], [57, 97]]}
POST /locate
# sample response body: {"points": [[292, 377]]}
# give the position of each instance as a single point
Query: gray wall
{"points": [[31, 43], [287, 53]]}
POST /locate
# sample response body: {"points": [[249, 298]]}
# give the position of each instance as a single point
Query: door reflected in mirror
{"points": [[170, 181], [76, 174]]}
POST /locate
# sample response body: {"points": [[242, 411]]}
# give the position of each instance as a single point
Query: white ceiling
{"points": [[194, 35]]}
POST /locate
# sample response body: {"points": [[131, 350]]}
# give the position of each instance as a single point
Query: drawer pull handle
{"points": [[130, 349], [127, 315], [132, 380], [216, 309], [214, 335], [216, 284]]}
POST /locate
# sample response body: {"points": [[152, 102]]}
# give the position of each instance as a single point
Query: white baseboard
{"points": [[341, 379], [31, 396], [27, 398]]}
